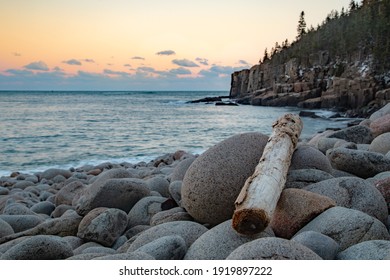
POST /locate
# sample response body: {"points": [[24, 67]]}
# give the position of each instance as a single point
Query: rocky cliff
{"points": [[318, 82]]}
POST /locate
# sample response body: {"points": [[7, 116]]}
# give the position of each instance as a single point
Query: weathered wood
{"points": [[258, 198]]}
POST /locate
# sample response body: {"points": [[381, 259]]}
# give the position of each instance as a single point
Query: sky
{"points": [[143, 44]]}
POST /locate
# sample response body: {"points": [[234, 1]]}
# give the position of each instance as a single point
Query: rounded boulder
{"points": [[214, 180]]}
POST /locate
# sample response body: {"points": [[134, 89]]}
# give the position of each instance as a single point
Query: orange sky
{"points": [[149, 44]]}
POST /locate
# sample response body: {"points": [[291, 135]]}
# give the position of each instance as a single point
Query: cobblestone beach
{"points": [[335, 205]]}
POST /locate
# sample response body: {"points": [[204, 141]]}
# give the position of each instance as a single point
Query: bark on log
{"points": [[257, 200]]}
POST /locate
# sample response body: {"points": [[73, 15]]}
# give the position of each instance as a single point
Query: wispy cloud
{"points": [[184, 63], [127, 65], [167, 52], [37, 65], [72, 62], [89, 60], [117, 73], [138, 58], [202, 61], [17, 54]]}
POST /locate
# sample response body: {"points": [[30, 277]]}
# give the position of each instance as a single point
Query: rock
{"points": [[302, 177], [175, 191], [347, 226], [126, 256], [40, 247], [322, 245], [21, 223], [69, 192], [180, 170], [103, 225], [135, 230], [326, 143], [17, 209], [113, 193], [383, 186], [3, 191], [5, 228], [358, 134], [87, 256], [44, 207], [73, 241], [295, 209], [272, 248], [218, 242], [60, 210], [367, 250], [51, 173], [360, 163], [159, 184], [354, 193], [380, 113], [171, 247], [381, 144], [99, 250], [90, 244], [189, 231], [23, 185], [171, 215], [144, 209], [380, 125], [307, 157], [214, 180]]}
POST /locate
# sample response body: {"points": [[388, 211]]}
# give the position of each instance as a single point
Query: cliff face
{"points": [[318, 82]]}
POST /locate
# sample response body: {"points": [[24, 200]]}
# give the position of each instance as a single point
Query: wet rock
{"points": [[214, 180], [295, 209], [40, 247], [218, 242], [272, 248], [360, 163], [103, 225], [354, 193]]}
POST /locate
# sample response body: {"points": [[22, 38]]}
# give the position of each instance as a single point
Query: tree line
{"points": [[362, 31]]}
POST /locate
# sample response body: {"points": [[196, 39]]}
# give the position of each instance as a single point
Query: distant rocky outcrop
{"points": [[316, 83]]}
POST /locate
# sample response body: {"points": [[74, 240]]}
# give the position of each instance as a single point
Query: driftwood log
{"points": [[258, 198]]}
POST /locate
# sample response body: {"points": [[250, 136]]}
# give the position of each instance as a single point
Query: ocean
{"points": [[63, 129]]}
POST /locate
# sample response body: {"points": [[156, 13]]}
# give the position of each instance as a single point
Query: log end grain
{"points": [[250, 221]]}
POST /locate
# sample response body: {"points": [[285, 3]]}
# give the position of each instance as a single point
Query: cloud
{"points": [[180, 71], [117, 73], [72, 62], [203, 61], [167, 52], [147, 69], [17, 54], [38, 65], [184, 63], [138, 58], [89, 60], [127, 65]]}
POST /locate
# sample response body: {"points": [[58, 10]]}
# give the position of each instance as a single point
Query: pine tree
{"points": [[301, 26]]}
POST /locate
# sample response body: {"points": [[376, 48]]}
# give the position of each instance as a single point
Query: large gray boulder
{"points": [[301, 178], [39, 247], [272, 248], [308, 157], [214, 180], [367, 250], [218, 242], [354, 193], [347, 226], [363, 164], [358, 134]]}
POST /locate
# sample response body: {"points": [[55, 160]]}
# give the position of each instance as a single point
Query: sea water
{"points": [[41, 130]]}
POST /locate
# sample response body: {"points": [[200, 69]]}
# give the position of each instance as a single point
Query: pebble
{"points": [[5, 228], [171, 247], [367, 250], [380, 125], [144, 209], [303, 177], [358, 134], [324, 246], [381, 144]]}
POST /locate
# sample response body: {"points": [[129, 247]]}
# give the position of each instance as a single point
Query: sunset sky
{"points": [[142, 45]]}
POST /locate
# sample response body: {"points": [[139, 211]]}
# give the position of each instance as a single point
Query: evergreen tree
{"points": [[301, 26]]}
